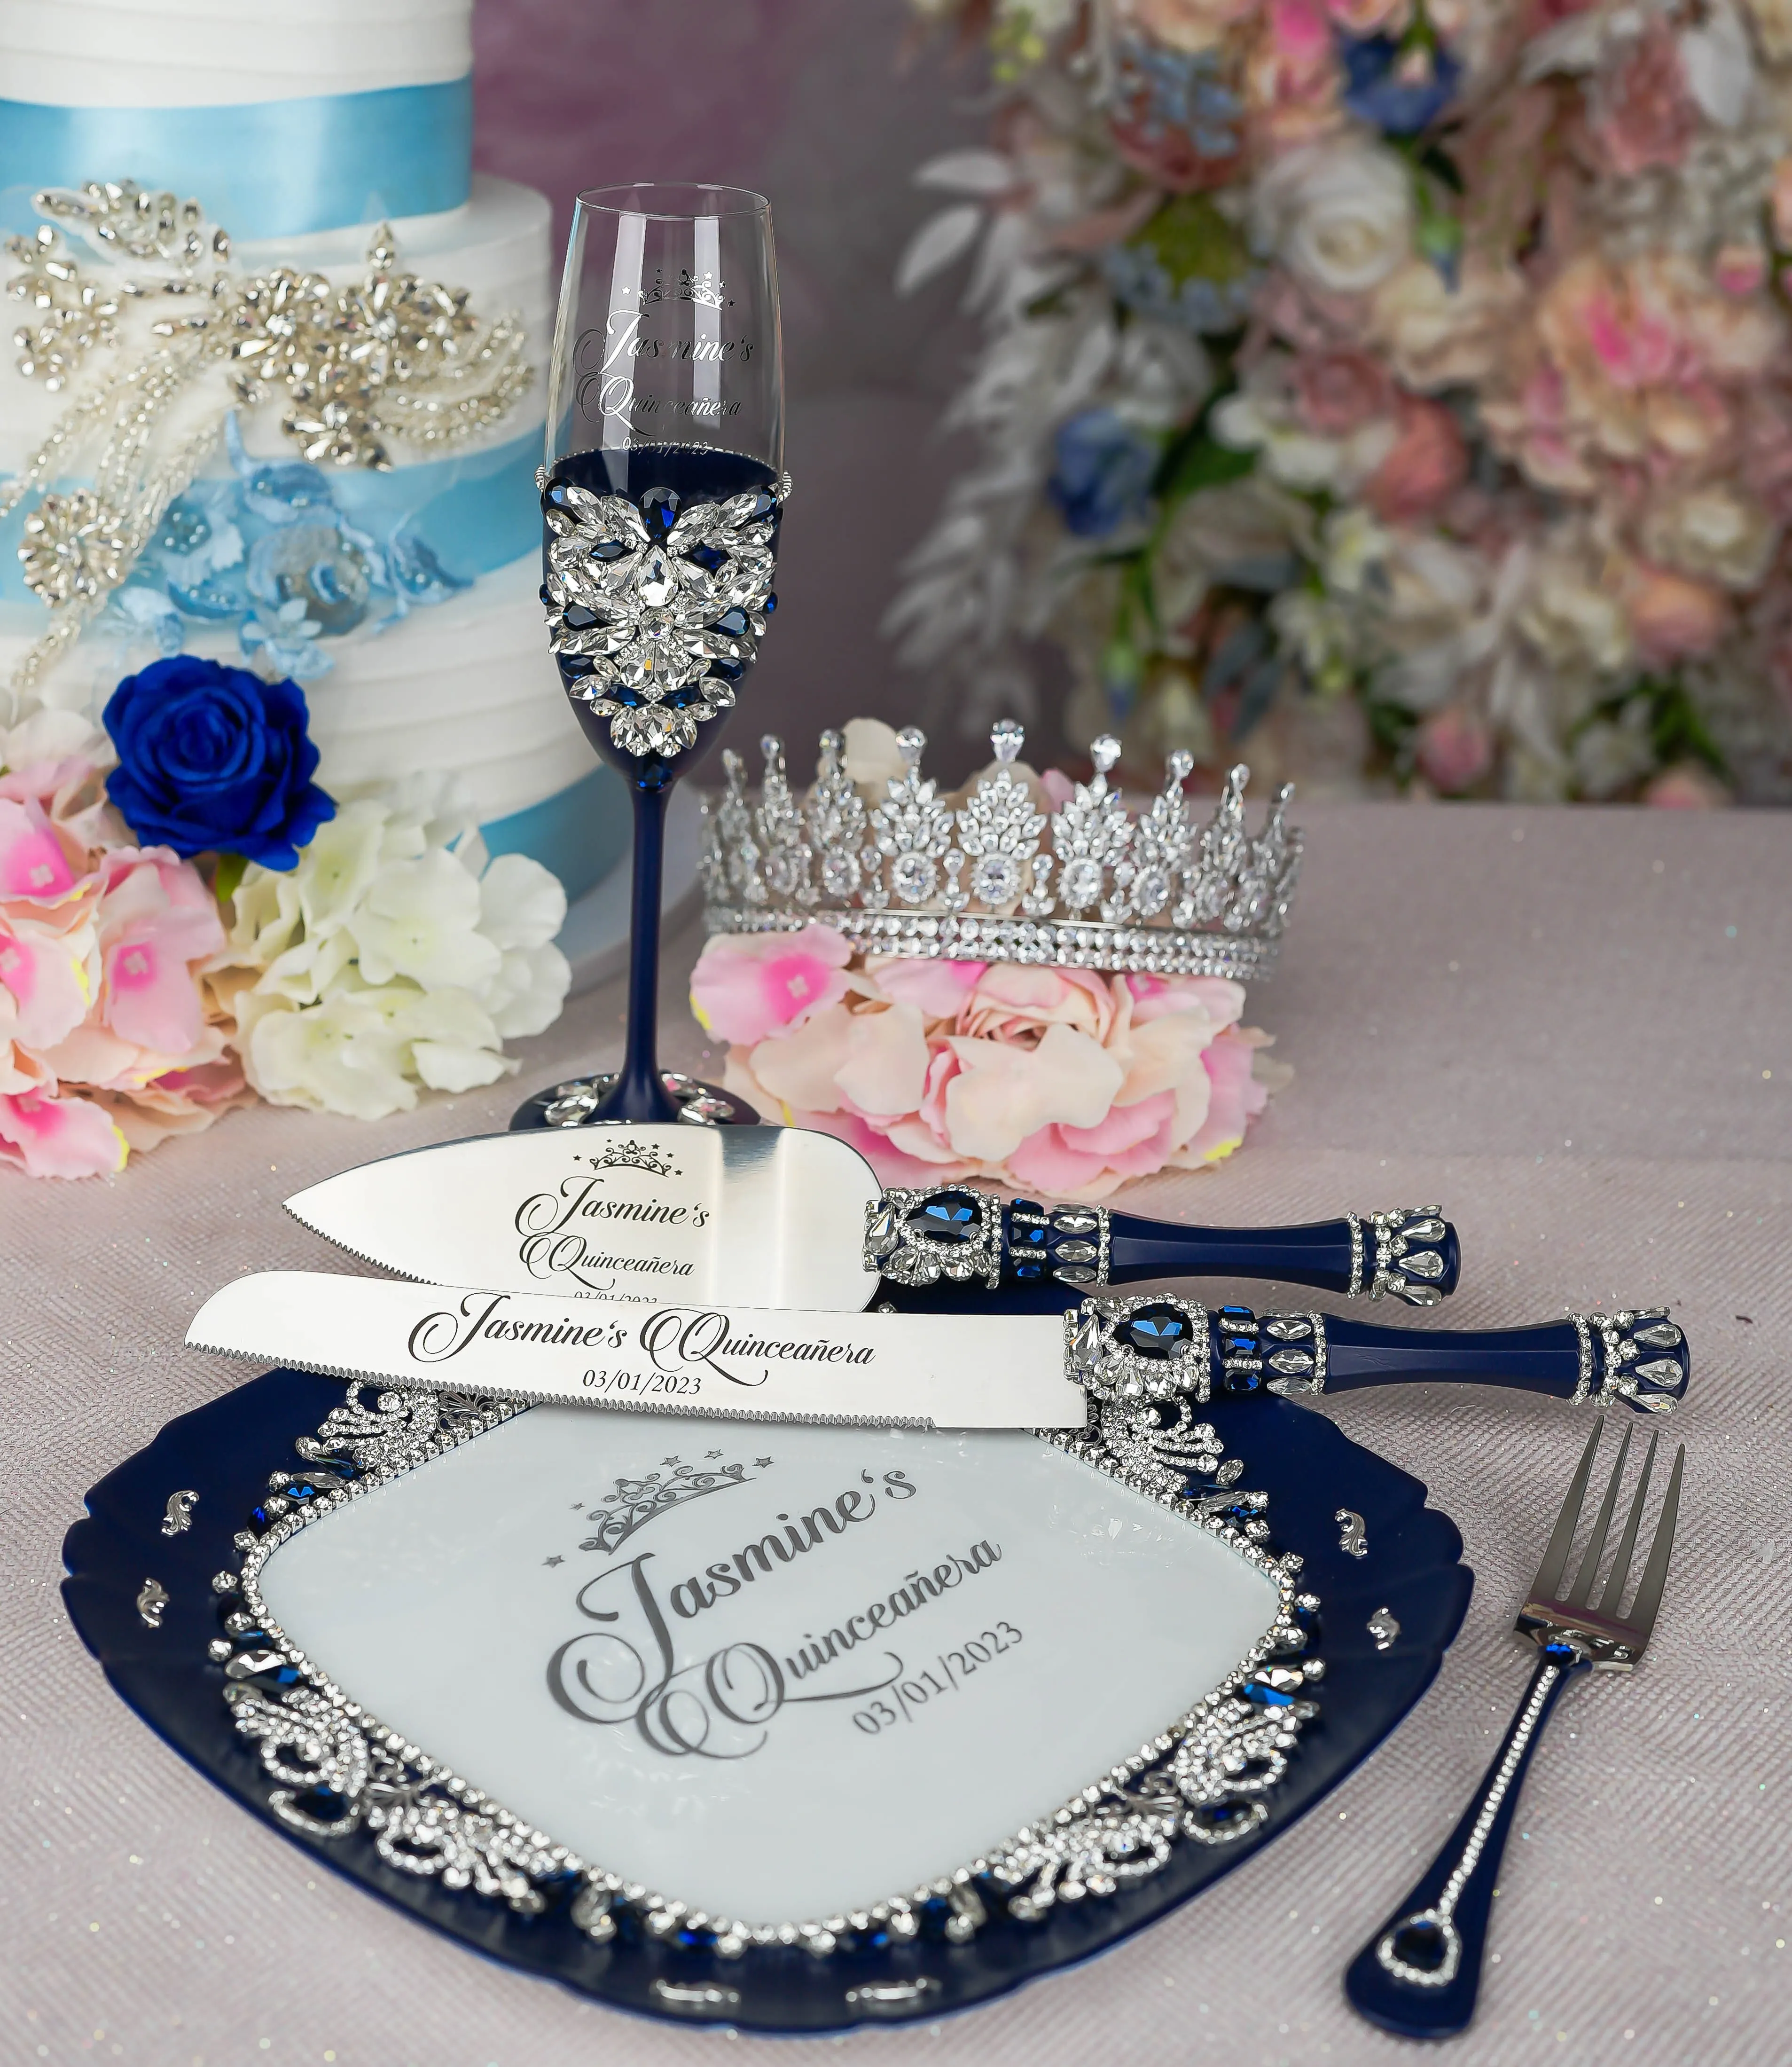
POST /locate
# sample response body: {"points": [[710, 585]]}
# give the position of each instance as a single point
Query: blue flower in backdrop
{"points": [[214, 757], [1103, 476], [1399, 91]]}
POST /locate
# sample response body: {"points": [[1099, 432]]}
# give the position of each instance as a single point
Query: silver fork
{"points": [[1419, 1974]]}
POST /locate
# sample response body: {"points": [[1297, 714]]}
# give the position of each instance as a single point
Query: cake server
{"points": [[779, 1216], [971, 1369]]}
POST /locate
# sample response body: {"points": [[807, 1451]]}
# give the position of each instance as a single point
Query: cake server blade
{"points": [[901, 1370], [733, 1216]]}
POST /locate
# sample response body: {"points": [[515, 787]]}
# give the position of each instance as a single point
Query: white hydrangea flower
{"points": [[397, 955]]}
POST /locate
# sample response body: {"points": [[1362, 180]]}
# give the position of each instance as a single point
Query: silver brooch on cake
{"points": [[997, 875], [392, 358]]}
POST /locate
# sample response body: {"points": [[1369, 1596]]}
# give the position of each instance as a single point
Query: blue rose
{"points": [[213, 757], [1396, 89], [1103, 476]]}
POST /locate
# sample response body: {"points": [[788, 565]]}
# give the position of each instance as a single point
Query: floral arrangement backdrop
{"points": [[187, 922], [1398, 390]]}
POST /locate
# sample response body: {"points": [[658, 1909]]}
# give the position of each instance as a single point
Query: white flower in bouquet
{"points": [[1339, 215], [396, 954]]}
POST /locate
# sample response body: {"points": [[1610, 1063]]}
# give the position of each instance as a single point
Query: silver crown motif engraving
{"points": [[993, 878]]}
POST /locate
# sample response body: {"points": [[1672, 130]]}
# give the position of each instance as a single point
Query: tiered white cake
{"points": [[404, 599]]}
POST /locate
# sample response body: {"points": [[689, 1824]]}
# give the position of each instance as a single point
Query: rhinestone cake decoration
{"points": [[148, 311], [656, 608], [995, 877]]}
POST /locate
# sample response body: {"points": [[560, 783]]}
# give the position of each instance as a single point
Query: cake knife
{"points": [[974, 1369], [782, 1216]]}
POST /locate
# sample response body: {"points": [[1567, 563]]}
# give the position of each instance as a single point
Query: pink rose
{"points": [[1455, 749], [1782, 204], [1686, 787], [748, 985], [1644, 115], [1428, 463], [1672, 617], [1338, 392]]}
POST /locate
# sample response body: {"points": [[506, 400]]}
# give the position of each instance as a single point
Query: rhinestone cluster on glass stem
{"points": [[655, 607]]}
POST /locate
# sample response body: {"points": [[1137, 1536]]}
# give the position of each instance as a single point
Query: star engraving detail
{"points": [[553, 1561]]}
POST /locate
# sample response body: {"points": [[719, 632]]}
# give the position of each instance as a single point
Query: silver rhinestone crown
{"points": [[1089, 885]]}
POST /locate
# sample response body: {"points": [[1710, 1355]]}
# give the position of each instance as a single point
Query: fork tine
{"points": [[1602, 1525], [1641, 1616], [1611, 1599], [1555, 1557]]}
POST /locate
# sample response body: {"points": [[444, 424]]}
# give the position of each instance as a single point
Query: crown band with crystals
{"points": [[1086, 887]]}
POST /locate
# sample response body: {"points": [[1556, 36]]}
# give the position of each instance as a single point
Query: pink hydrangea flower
{"points": [[107, 1041], [1061, 1081], [747, 986], [47, 1136]]}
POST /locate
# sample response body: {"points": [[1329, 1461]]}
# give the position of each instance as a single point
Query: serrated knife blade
{"points": [[894, 1369]]}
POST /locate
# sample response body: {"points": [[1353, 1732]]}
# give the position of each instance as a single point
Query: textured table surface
{"points": [[1574, 1028]]}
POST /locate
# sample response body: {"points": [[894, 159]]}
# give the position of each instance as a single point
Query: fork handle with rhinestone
{"points": [[1419, 1974]]}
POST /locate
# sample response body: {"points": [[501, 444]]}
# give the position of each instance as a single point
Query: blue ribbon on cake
{"points": [[262, 169], [471, 513]]}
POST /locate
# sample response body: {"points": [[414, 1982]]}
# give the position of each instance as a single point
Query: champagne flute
{"points": [[660, 501]]}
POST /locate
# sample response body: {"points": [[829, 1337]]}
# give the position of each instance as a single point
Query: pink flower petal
{"points": [[748, 986], [1003, 1093], [44, 992], [58, 1137], [32, 863], [1237, 1098], [936, 989]]}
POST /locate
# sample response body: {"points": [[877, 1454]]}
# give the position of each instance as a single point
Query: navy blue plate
{"points": [[224, 1452]]}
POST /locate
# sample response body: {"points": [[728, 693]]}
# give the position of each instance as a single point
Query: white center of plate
{"points": [[619, 1626]]}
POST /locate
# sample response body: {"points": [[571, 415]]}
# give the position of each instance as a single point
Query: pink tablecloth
{"points": [[1573, 1027]]}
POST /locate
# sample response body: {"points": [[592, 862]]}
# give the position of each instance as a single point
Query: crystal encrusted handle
{"points": [[957, 1236], [1147, 1347], [1419, 1974]]}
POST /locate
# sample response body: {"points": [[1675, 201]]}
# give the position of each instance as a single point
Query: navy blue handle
{"points": [[1076, 1246], [1419, 1974], [1541, 1359], [1319, 1254]]}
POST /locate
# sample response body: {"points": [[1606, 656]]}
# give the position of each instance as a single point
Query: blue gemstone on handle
{"points": [[1026, 1206], [578, 617], [608, 549], [711, 559], [1029, 1270], [950, 1217], [733, 623], [771, 602], [1159, 1330]]}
